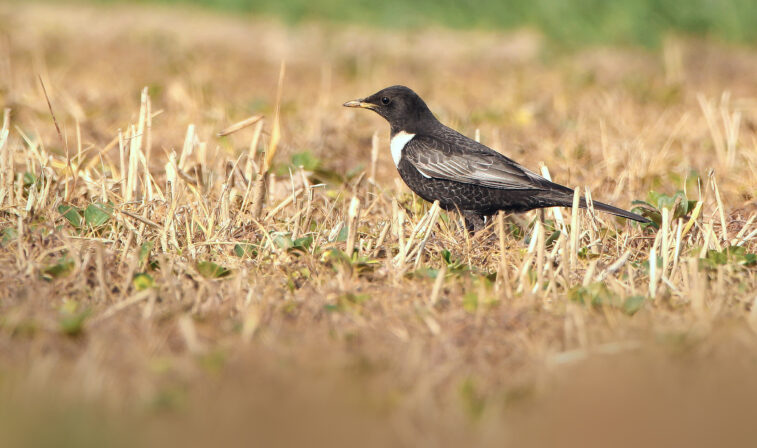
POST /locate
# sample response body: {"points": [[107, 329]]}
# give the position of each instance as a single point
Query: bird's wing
{"points": [[466, 161]]}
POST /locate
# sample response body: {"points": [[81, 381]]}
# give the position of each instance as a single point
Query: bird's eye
{"points": [[385, 101]]}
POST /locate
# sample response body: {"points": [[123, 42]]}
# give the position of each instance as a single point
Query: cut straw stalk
{"points": [[248, 171], [123, 304], [589, 274], [63, 142], [740, 236], [122, 160], [523, 273], [136, 147], [438, 283], [708, 109], [677, 250], [258, 195], [615, 266], [408, 251], [238, 126], [721, 209], [374, 156], [653, 275], [665, 240], [131, 173], [21, 256], [574, 230], [502, 277], [433, 216], [706, 240], [285, 202], [697, 287], [188, 148], [352, 220], [259, 185], [556, 211], [148, 137], [540, 249], [382, 237], [694, 216], [6, 160], [398, 224]]}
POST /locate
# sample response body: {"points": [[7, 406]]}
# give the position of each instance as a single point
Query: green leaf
{"points": [[632, 304], [474, 402], [9, 234], [144, 251], [306, 160], [208, 269], [303, 243], [645, 265], [355, 298], [213, 361], [357, 169], [586, 253], [453, 266], [342, 237], [243, 250], [470, 302], [142, 281], [71, 213], [729, 255], [425, 272], [552, 238], [60, 269], [335, 255], [29, 179], [283, 242], [678, 204], [72, 323], [96, 215], [596, 294]]}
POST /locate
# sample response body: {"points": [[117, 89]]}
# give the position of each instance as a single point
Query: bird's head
{"points": [[400, 106]]}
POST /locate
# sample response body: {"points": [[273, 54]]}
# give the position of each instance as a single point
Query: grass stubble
{"points": [[276, 284]]}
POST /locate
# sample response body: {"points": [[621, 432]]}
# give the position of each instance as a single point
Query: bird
{"points": [[441, 164]]}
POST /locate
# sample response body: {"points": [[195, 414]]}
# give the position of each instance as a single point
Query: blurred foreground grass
{"points": [[569, 22]]}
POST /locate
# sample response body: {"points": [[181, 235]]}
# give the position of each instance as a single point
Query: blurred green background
{"points": [[570, 22]]}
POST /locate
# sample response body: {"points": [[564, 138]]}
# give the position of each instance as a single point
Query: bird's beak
{"points": [[359, 103]]}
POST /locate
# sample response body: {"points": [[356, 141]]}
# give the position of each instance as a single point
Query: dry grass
{"points": [[122, 331]]}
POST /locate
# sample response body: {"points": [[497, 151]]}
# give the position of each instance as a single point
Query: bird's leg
{"points": [[473, 221]]}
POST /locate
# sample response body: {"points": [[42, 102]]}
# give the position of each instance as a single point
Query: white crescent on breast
{"points": [[398, 143]]}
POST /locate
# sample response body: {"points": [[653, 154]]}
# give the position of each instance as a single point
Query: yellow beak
{"points": [[359, 103]]}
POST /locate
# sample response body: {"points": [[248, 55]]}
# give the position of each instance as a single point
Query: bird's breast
{"points": [[399, 140]]}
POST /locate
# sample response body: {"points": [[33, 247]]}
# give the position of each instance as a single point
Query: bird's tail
{"points": [[601, 206]]}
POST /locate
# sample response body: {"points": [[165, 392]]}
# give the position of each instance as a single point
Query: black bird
{"points": [[439, 163]]}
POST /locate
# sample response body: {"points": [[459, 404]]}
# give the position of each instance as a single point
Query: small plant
{"points": [[72, 318], [211, 270], [9, 234], [246, 250], [93, 216], [142, 281], [598, 295], [60, 268], [72, 214], [731, 255], [679, 205]]}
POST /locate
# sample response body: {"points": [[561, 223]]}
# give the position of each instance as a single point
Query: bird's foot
{"points": [[474, 222]]}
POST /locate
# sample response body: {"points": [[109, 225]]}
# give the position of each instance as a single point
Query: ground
{"points": [[142, 302]]}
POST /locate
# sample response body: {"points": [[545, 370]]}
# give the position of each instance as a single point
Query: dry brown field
{"points": [[144, 300]]}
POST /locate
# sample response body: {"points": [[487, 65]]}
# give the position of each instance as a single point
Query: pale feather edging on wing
{"points": [[488, 169]]}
